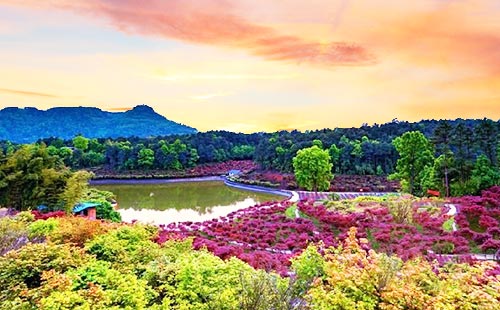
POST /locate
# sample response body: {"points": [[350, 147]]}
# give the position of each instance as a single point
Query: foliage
{"points": [[484, 174], [129, 247], [415, 154], [353, 277], [145, 158], [312, 168], [76, 187], [43, 228], [308, 266], [359, 279], [362, 151], [72, 230], [30, 177], [81, 143], [21, 271], [13, 234]]}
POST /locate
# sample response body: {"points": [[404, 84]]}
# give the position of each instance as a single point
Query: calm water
{"points": [[178, 202]]}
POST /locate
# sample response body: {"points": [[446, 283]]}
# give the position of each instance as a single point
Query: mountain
{"points": [[26, 125]]}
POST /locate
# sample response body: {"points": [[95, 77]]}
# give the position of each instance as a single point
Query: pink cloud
{"points": [[211, 22]]}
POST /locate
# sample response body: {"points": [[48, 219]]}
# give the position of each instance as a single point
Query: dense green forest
{"points": [[456, 152], [30, 124]]}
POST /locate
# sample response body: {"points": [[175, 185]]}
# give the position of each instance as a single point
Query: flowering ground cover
{"points": [[266, 236], [479, 220], [340, 183], [212, 169]]}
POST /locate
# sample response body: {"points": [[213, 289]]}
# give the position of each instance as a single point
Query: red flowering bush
{"points": [[479, 220]]}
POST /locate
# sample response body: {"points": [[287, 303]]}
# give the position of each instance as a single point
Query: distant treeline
{"points": [[27, 125], [362, 151]]}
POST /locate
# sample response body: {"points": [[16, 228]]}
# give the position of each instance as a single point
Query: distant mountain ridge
{"points": [[26, 125]]}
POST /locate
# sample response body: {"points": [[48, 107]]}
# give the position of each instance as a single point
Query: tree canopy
{"points": [[313, 169], [416, 154]]}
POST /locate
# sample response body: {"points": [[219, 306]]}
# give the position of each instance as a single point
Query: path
{"points": [[260, 189], [343, 195]]}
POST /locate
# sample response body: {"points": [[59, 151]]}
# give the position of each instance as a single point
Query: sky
{"points": [[256, 65]]}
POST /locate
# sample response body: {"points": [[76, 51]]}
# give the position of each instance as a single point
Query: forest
{"points": [[461, 155]]}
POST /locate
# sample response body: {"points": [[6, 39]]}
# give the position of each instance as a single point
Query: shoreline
{"points": [[106, 181]]}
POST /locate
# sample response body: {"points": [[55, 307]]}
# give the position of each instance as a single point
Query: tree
{"points": [[441, 139], [487, 137], [76, 188], [415, 154], [462, 140], [31, 176], [312, 168], [335, 152], [146, 158], [81, 143], [484, 174]]}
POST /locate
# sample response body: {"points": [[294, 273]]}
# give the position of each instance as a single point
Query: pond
{"points": [[167, 202]]}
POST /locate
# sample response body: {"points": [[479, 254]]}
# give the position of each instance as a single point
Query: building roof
{"points": [[84, 205]]}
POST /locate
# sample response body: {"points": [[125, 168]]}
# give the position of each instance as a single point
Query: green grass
{"points": [[448, 225], [290, 211], [375, 245]]}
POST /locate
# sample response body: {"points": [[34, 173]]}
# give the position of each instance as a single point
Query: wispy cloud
{"points": [[205, 76], [211, 22], [27, 93], [453, 34], [121, 109]]}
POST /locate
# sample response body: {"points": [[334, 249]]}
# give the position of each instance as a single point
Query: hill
{"points": [[25, 125]]}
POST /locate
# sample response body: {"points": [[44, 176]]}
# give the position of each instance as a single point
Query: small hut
{"points": [[87, 209]]}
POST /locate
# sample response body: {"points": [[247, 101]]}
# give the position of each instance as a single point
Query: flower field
{"points": [[266, 236]]}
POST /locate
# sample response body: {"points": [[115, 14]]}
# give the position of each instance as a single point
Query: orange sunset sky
{"points": [[256, 65]]}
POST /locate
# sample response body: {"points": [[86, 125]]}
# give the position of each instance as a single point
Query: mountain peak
{"points": [[142, 109]]}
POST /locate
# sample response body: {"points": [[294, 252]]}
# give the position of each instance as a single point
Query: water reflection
{"points": [[173, 215], [177, 202]]}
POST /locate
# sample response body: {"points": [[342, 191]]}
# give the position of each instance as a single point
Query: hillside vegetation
{"points": [[30, 124]]}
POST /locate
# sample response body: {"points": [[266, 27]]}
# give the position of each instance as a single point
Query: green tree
{"points": [[441, 140], [146, 158], [312, 168], [484, 174], [76, 188], [415, 154], [335, 156], [243, 151], [462, 140], [486, 134], [31, 176], [318, 143], [81, 143]]}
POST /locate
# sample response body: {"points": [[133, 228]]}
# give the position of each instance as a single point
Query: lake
{"points": [[164, 203]]}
